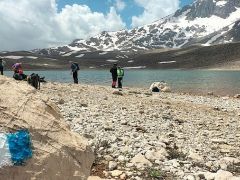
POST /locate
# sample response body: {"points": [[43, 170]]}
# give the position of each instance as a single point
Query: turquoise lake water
{"points": [[192, 81]]}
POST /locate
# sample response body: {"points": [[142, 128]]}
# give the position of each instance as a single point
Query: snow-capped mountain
{"points": [[203, 22]]}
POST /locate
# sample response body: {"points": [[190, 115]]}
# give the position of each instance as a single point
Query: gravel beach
{"points": [[138, 135]]}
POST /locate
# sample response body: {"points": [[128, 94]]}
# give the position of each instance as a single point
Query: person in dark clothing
{"points": [[75, 69], [113, 70], [120, 74], [2, 64]]}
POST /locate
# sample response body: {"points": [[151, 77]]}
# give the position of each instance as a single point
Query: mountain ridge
{"points": [[203, 22]]}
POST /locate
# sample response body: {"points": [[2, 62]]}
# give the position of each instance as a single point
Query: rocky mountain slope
{"points": [[204, 21], [224, 56]]}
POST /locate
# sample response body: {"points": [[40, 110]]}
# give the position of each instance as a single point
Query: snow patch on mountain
{"points": [[14, 57], [221, 3], [111, 60], [80, 55]]}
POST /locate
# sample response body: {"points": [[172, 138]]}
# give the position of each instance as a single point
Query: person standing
{"points": [[2, 64], [75, 68], [120, 74], [113, 70]]}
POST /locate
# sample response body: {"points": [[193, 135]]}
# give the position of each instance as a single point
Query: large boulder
{"points": [[58, 153], [160, 87]]}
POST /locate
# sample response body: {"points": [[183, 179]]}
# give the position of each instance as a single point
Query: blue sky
{"points": [[131, 9]]}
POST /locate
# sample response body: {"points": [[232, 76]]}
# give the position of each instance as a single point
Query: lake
{"points": [[191, 81]]}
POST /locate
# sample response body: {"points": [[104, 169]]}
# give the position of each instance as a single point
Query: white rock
{"points": [[223, 175], [156, 155], [108, 158], [112, 165], [166, 89], [190, 177], [116, 173], [195, 157], [94, 178], [234, 178], [123, 176], [140, 161], [121, 158], [209, 176]]}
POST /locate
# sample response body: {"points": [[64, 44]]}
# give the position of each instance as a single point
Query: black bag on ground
{"points": [[155, 89], [34, 80]]}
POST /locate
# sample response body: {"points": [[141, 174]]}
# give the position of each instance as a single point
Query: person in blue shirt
{"points": [[75, 68]]}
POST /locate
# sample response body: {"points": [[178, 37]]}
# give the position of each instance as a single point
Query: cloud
{"points": [[120, 5], [29, 24], [154, 10]]}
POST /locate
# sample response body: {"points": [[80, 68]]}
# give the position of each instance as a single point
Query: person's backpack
{"points": [[77, 66], [34, 80], [120, 72], [17, 76]]}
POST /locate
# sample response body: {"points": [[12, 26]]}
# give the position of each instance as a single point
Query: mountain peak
{"points": [[208, 8], [204, 21]]}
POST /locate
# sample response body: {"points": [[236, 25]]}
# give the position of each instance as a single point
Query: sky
{"points": [[30, 24]]}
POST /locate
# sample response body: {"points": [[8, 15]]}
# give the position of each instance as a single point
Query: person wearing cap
{"points": [[113, 70]]}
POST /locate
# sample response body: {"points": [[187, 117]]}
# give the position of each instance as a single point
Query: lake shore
{"points": [[199, 82], [141, 135]]}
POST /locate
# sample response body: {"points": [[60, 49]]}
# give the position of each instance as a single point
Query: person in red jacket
{"points": [[18, 72]]}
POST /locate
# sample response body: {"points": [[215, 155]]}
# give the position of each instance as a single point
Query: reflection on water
{"points": [[193, 81]]}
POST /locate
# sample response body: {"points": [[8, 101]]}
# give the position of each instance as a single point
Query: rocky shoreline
{"points": [[138, 135]]}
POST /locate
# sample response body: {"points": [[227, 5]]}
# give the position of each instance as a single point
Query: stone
{"points": [[121, 158], [237, 96], [61, 101], [223, 175], [116, 173], [94, 178], [153, 155], [209, 176], [140, 161], [162, 86], [123, 176], [112, 165], [166, 89], [219, 141], [226, 161], [190, 177], [117, 92], [195, 157], [210, 93], [108, 158], [234, 178]]}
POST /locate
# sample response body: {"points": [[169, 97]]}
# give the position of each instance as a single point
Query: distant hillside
{"points": [[224, 56]]}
